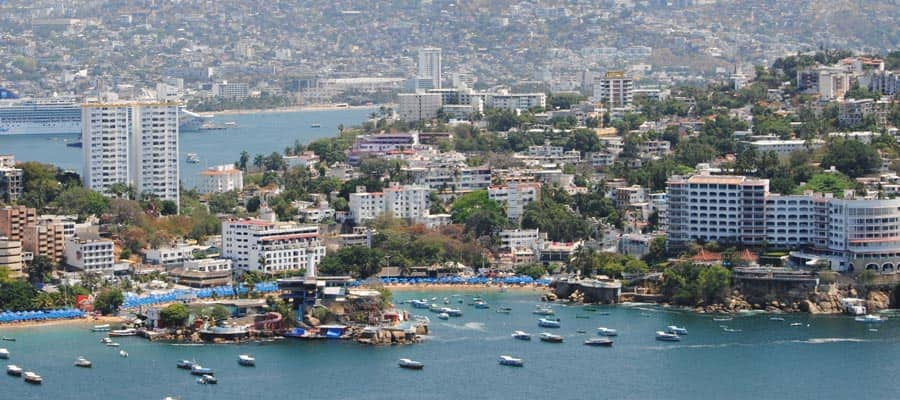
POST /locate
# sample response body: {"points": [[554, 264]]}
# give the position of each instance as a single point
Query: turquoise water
{"points": [[833, 357], [260, 133]]}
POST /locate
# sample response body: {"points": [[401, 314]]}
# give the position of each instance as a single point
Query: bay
{"points": [[825, 357], [257, 133]]}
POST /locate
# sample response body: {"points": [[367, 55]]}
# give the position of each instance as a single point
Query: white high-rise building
{"points": [[271, 247], [410, 202], [616, 89], [430, 66], [131, 143], [418, 106], [515, 196]]}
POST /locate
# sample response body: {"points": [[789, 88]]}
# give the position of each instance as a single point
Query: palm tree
{"points": [[258, 161]]}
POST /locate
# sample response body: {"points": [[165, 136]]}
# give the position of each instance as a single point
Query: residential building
{"points": [[91, 255], [627, 196], [220, 179], [418, 106], [634, 244], [885, 82], [429, 68], [207, 272], [451, 179], [522, 239], [515, 196], [46, 238], [271, 247], [169, 256], [615, 90], [10, 179], [14, 219], [784, 148], [134, 144], [307, 159], [854, 111], [11, 256], [516, 101], [409, 202]]}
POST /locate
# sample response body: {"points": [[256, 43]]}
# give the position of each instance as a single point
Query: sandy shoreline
{"points": [[421, 287], [318, 107], [76, 321]]}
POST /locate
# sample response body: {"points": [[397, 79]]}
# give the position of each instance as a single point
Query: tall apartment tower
{"points": [[131, 143], [430, 66], [616, 89]]}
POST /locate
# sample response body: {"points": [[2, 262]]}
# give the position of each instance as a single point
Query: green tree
{"points": [[108, 302], [223, 203], [478, 213], [852, 157], [534, 270], [82, 202], [39, 269], [16, 295], [174, 315], [359, 261], [243, 160]]}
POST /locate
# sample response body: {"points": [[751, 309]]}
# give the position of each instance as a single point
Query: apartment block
{"points": [[10, 179], [220, 179], [46, 238], [11, 256], [91, 255], [409, 202], [515, 196], [13, 220], [271, 247]]}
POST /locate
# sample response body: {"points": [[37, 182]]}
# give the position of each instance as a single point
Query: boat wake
{"points": [[831, 340], [470, 326]]}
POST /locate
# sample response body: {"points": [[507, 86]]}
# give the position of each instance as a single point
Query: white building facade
{"points": [[220, 179], [91, 255], [271, 247], [515, 196]]}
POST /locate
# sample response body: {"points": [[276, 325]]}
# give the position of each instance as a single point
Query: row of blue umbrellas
{"points": [[9, 316], [132, 300]]}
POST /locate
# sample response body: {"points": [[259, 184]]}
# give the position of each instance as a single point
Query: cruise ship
{"points": [[51, 116]]}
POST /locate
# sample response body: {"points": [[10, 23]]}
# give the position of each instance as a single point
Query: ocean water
{"points": [[260, 133], [832, 357]]}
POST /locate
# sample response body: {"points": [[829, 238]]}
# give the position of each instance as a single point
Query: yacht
{"points": [[667, 337], [246, 360], [599, 342], [198, 369], [551, 338], [83, 362], [32, 377], [676, 330], [870, 319], [521, 335], [123, 332], [410, 364], [100, 328], [548, 323], [511, 361], [4, 354], [207, 380], [602, 331], [13, 370], [186, 364]]}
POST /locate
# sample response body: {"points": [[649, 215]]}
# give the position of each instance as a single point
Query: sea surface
{"points": [[830, 357], [259, 133]]}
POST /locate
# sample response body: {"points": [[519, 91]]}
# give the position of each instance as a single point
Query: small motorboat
{"points": [[676, 330], [13, 370], [539, 310], [4, 354], [410, 364], [580, 316], [207, 380], [581, 331], [198, 369], [123, 353], [231, 124], [443, 315], [511, 361], [246, 360], [776, 319], [504, 310], [112, 344], [9, 339], [453, 312], [186, 364], [315, 125], [667, 336], [604, 342], [551, 338], [723, 319], [548, 323], [83, 362], [100, 328], [123, 332], [106, 340], [796, 324], [482, 305], [731, 330], [521, 335], [870, 319], [32, 378], [603, 331]]}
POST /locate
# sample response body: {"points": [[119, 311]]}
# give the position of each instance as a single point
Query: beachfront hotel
{"points": [[271, 247]]}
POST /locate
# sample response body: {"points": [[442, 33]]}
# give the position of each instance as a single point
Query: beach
{"points": [[106, 319]]}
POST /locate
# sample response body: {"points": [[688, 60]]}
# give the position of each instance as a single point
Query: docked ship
{"points": [[189, 121], [50, 116]]}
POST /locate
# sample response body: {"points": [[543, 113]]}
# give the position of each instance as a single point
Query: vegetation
{"points": [[359, 261], [851, 157], [694, 284], [174, 315], [109, 301]]}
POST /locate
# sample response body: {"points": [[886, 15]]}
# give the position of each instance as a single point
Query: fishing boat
{"points": [[246, 360], [676, 330], [410, 364], [198, 369], [548, 323], [551, 338], [123, 332], [186, 364], [443, 315], [4, 354], [667, 337], [521, 335], [604, 342], [83, 362], [870, 319], [511, 361], [207, 380], [100, 328], [32, 378], [603, 331], [13, 370], [123, 353]]}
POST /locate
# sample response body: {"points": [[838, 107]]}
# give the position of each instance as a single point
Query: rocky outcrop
{"points": [[877, 300]]}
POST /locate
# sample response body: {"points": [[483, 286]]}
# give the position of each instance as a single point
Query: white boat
{"points": [[870, 319], [246, 360], [730, 330], [106, 340], [83, 362], [443, 315], [453, 312], [44, 116], [315, 125], [100, 328], [723, 319], [198, 369], [32, 377], [602, 331], [13, 370], [667, 337], [521, 335], [192, 158], [410, 364], [539, 310], [676, 330], [186, 364], [598, 342], [796, 324], [4, 354], [511, 361], [123, 332], [551, 338], [231, 124], [548, 323], [112, 344], [207, 380], [123, 353]]}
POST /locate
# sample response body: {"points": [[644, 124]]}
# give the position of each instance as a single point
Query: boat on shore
{"points": [[677, 330], [667, 337], [186, 364], [410, 364], [246, 360], [548, 323], [521, 335], [13, 370], [32, 378], [604, 342], [123, 332], [603, 331], [511, 361], [100, 328], [551, 338], [83, 362]]}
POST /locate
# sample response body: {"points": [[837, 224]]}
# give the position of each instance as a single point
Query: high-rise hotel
{"points": [[134, 143]]}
